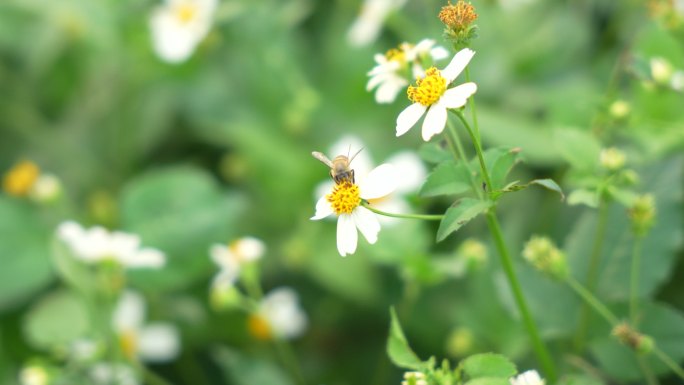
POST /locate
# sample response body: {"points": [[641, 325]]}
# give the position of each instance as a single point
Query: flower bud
{"points": [[612, 159], [642, 214], [414, 378], [619, 109], [460, 342], [632, 338], [19, 180], [474, 253], [224, 297], [34, 375], [46, 189], [458, 22], [543, 254], [661, 71]]}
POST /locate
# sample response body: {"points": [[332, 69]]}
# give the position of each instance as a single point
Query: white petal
{"points": [[380, 182], [409, 117], [346, 235], [281, 308], [158, 342], [219, 254], [129, 313], [417, 70], [323, 209], [376, 80], [349, 145], [367, 223], [70, 232], [458, 96], [249, 248], [412, 170], [388, 91], [147, 257], [434, 122], [458, 63], [226, 277], [439, 53]]}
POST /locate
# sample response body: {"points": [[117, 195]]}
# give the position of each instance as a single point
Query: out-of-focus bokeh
{"points": [[190, 125]]}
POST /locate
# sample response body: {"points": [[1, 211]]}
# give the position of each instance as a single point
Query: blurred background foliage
{"points": [[219, 147]]}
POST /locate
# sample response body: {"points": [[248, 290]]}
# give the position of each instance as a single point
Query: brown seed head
{"points": [[459, 16]]}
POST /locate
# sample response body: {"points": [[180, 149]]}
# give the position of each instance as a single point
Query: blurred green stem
{"points": [[669, 362], [152, 378], [592, 273], [634, 285], [404, 216], [461, 155], [507, 263], [289, 359], [473, 110]]}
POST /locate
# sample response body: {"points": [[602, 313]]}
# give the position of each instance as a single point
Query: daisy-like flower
{"points": [[530, 377], [231, 258], [153, 342], [345, 202], [97, 244], [389, 74], [413, 175], [432, 96], [279, 315], [367, 25], [178, 26]]}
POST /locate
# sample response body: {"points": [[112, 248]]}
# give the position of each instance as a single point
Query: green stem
{"points": [[669, 362], [478, 148], [152, 378], [592, 301], [289, 359], [634, 285], [540, 349], [592, 273], [405, 216], [462, 156], [646, 369], [473, 110]]}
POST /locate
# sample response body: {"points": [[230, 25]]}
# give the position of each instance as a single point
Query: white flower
{"points": [[412, 169], [178, 26], [389, 74], [153, 342], [46, 189], [432, 97], [98, 244], [279, 315], [661, 70], [113, 374], [34, 375], [366, 27], [414, 378], [345, 202], [231, 258], [677, 81], [530, 377]]}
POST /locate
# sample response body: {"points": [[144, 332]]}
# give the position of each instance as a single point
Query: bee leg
{"points": [[352, 176]]}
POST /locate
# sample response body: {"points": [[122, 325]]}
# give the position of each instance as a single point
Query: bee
{"points": [[339, 166]]}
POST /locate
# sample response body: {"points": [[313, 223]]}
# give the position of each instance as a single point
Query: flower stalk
{"points": [[367, 205]]}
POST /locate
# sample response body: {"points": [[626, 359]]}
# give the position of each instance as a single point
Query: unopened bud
{"points": [[543, 254], [46, 189], [612, 159], [460, 342], [642, 214], [34, 375], [661, 71], [414, 378], [629, 177], [20, 179], [619, 109], [632, 338], [474, 253], [224, 297], [458, 21]]}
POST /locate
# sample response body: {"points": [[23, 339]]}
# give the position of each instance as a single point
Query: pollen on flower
{"points": [[128, 342], [458, 16], [259, 327], [395, 54], [344, 198], [185, 12], [21, 178], [429, 89]]}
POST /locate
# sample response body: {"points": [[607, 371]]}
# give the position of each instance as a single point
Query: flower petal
{"points": [[158, 342], [458, 96], [346, 235], [367, 223], [439, 53], [323, 209], [434, 122], [388, 90], [458, 63], [379, 182], [413, 171], [129, 313], [409, 117]]}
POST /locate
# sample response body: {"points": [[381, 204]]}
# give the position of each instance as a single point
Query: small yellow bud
{"points": [[661, 70], [414, 378], [460, 342], [46, 189], [543, 254], [34, 375], [473, 252], [642, 214], [20, 179], [619, 109], [612, 159]]}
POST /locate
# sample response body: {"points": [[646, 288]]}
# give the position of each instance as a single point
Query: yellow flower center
{"points": [[344, 198], [397, 55], [185, 12], [258, 327], [128, 342], [429, 89], [19, 180]]}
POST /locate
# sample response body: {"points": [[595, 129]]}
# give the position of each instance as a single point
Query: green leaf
{"points": [[583, 197], [448, 178], [579, 148], [579, 379], [513, 186], [489, 381], [488, 365], [24, 246], [56, 320], [501, 165], [460, 214], [241, 369], [181, 211], [398, 348], [434, 153], [549, 184]]}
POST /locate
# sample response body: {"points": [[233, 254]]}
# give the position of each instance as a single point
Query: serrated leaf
{"points": [[448, 178], [579, 148], [549, 184], [56, 320], [398, 348], [460, 214], [488, 365], [501, 166], [434, 153]]}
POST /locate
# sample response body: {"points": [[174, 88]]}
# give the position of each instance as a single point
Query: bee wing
{"points": [[322, 158]]}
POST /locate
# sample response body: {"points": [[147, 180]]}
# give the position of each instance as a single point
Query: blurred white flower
{"points": [[279, 315], [98, 244], [366, 28], [34, 375], [432, 97], [345, 201], [389, 76], [414, 378], [530, 377], [152, 342], [677, 81], [411, 169], [661, 70], [231, 258], [178, 26], [46, 188], [113, 374]]}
